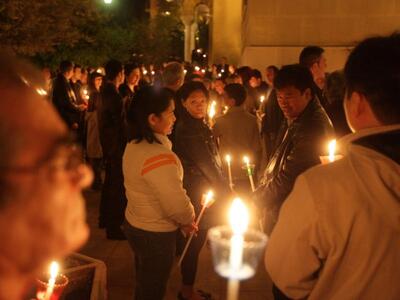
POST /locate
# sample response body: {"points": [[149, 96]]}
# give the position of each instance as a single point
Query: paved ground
{"points": [[120, 271]]}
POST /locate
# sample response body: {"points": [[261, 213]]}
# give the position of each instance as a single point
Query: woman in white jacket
{"points": [[157, 202]]}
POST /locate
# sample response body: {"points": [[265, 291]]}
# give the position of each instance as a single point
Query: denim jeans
{"points": [[154, 256]]}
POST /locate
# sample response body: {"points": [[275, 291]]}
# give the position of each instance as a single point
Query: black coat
{"points": [[65, 101], [197, 150], [111, 123], [299, 150]]}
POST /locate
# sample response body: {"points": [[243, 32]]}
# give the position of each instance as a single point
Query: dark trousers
{"points": [[154, 256], [96, 164], [113, 199], [189, 263]]}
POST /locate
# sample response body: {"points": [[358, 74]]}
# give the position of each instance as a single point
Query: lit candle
{"points": [[262, 98], [249, 172], [239, 220], [197, 68], [332, 148], [152, 72], [206, 201], [52, 281], [185, 71], [203, 71], [211, 110], [144, 72], [228, 162]]}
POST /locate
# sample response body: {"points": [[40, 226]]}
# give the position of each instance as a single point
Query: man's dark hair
{"points": [[237, 92], [310, 55], [273, 67], [113, 68], [146, 101], [130, 67], [66, 66], [189, 87], [294, 75], [256, 74], [373, 70]]}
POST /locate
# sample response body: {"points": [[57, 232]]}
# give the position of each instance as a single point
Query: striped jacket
{"points": [[153, 177]]}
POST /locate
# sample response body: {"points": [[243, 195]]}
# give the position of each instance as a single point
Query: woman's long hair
{"points": [[146, 101]]}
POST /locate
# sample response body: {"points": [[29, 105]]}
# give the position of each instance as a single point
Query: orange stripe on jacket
{"points": [[157, 165], [158, 157]]}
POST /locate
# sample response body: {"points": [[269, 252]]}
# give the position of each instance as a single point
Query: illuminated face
{"points": [[270, 76], [254, 82], [292, 102], [97, 83], [196, 104], [219, 86], [134, 77], [164, 123]]}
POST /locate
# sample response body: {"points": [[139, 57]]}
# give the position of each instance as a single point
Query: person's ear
{"points": [[152, 119], [358, 104], [308, 93]]}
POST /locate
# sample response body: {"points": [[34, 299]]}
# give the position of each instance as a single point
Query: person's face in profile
{"points": [[45, 180]]}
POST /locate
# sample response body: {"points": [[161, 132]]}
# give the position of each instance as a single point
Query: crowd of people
{"points": [[156, 140]]}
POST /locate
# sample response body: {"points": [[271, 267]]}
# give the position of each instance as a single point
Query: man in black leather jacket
{"points": [[303, 134]]}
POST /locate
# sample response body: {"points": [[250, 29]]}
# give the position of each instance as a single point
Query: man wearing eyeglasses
{"points": [[42, 214]]}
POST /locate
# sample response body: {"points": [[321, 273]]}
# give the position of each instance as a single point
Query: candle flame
{"points": [[262, 98], [228, 158], [197, 68], [211, 111], [246, 160], [54, 267], [332, 148], [238, 216]]}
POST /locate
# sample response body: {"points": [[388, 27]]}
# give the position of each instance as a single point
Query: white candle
{"points": [[249, 172], [332, 148], [239, 220], [228, 162], [52, 281], [206, 202]]}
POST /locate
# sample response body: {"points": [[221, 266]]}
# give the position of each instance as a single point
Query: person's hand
{"points": [[82, 107], [189, 228]]}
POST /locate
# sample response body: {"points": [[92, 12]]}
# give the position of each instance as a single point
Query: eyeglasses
{"points": [[65, 154]]}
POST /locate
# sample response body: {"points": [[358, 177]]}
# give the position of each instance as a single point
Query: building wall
{"points": [[275, 31], [226, 28]]}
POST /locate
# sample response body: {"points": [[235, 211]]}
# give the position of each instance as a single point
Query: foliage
{"points": [[30, 27], [87, 33]]}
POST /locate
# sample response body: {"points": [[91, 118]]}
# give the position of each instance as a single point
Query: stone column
{"points": [[188, 22]]}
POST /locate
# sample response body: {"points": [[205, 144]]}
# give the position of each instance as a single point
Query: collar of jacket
{"points": [[188, 119], [311, 106], [382, 139], [164, 140]]}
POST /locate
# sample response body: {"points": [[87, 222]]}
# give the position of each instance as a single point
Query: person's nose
{"points": [[83, 176]]}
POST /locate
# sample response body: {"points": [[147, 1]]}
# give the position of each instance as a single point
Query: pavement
{"points": [[118, 258]]}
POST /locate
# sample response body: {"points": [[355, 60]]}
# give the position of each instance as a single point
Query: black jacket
{"points": [[298, 150], [65, 101], [111, 123], [197, 150]]}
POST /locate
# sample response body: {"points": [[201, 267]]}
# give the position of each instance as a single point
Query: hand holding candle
{"points": [[206, 201], [249, 170]]}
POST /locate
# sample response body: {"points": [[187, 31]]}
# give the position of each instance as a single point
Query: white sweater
{"points": [[153, 177]]}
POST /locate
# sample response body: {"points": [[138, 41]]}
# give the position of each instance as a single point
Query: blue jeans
{"points": [[154, 256]]}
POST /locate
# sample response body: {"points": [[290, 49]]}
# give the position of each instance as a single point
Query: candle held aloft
{"points": [[228, 162], [249, 172]]}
